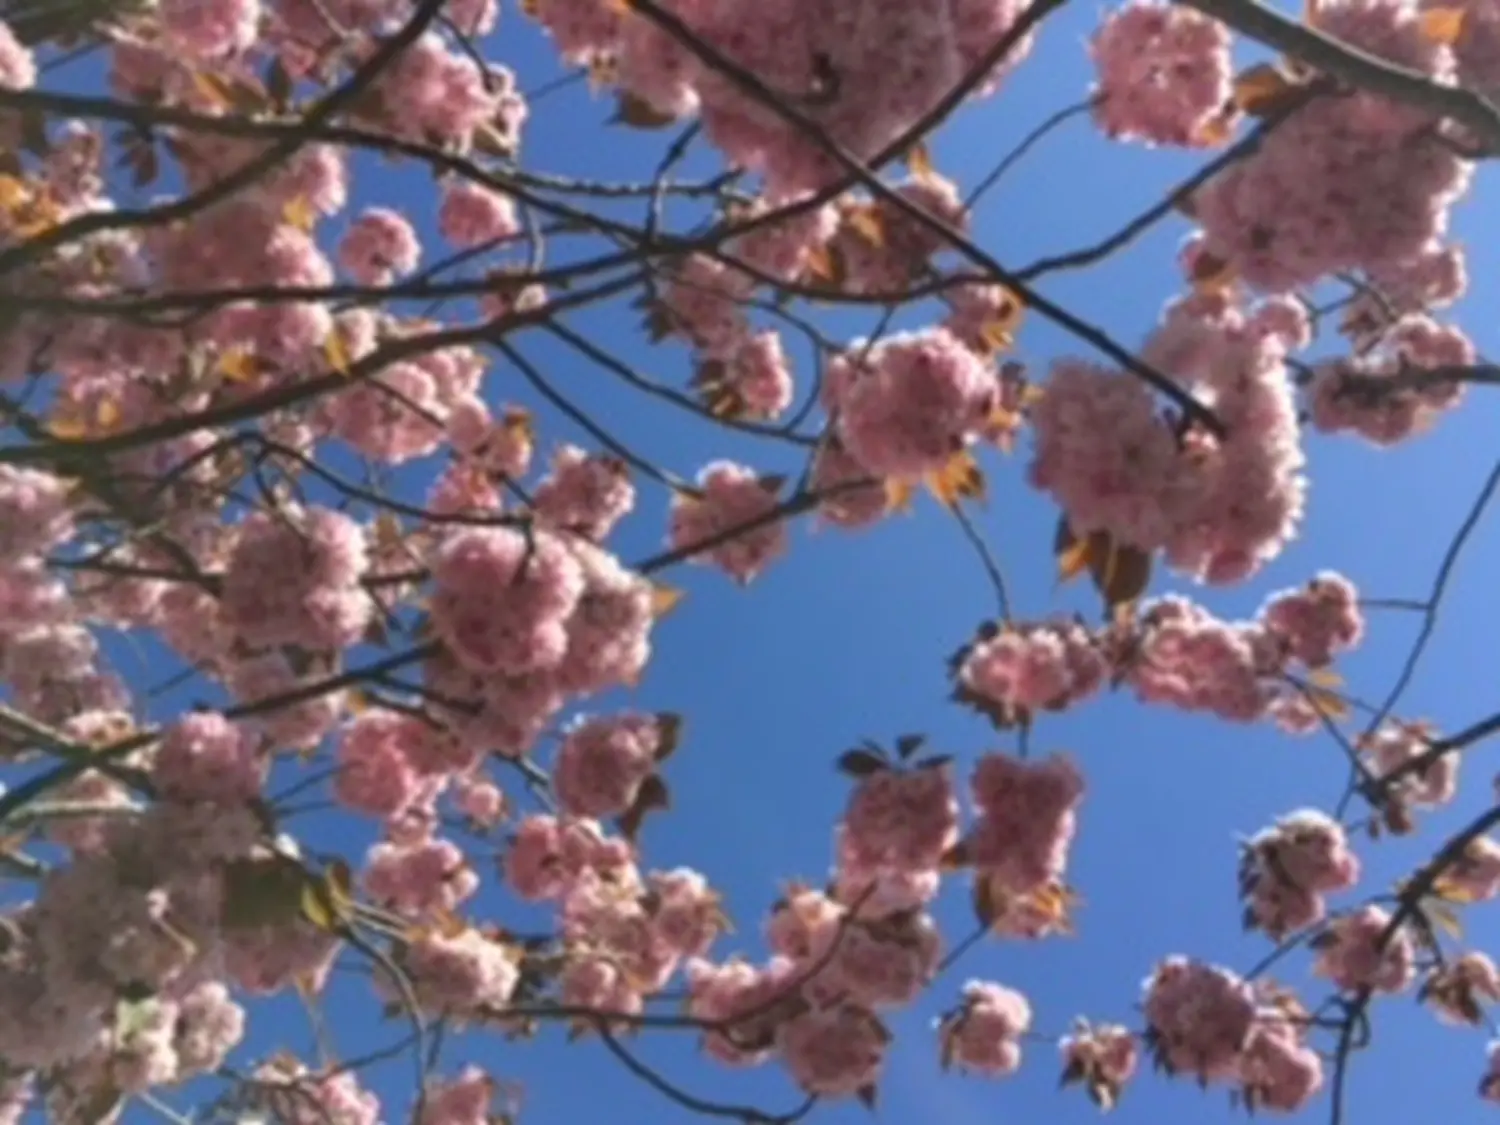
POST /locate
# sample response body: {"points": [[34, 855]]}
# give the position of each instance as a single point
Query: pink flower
{"points": [[206, 757], [547, 857], [585, 494], [379, 247], [1164, 74], [472, 215], [834, 1052], [1048, 666], [757, 1000], [1027, 819], [902, 818], [465, 1100], [17, 67], [1317, 622], [1200, 1016], [375, 775], [208, 29], [1279, 1071], [421, 878], [1457, 991], [1104, 1057], [293, 578], [461, 974], [502, 598], [912, 403], [603, 762], [34, 515], [984, 1033], [1356, 953], [732, 511], [1287, 869]]}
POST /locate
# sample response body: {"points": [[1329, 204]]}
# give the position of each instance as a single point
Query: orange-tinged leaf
{"points": [[961, 478], [825, 265], [638, 113], [919, 161], [68, 427], [14, 193], [997, 336], [1263, 89], [1443, 25], [865, 222], [299, 213], [1329, 704], [664, 599], [336, 351], [106, 415], [899, 494], [1325, 677], [1072, 552], [1215, 131], [212, 87], [1211, 274], [237, 365]]}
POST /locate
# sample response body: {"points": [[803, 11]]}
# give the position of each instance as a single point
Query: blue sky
{"points": [[846, 638]]}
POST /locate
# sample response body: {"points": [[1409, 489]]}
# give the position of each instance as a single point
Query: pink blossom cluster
{"points": [[901, 817], [1381, 394], [784, 249], [1200, 1018], [1179, 654], [850, 497], [1164, 74], [1474, 876], [1027, 820], [460, 973], [1399, 757], [1288, 868], [1477, 47], [1103, 1056], [1218, 508], [1459, 989], [176, 903], [907, 404], [1317, 622], [984, 1033], [1363, 950], [603, 761], [729, 519], [294, 578], [467, 1099], [379, 247], [587, 494], [626, 932], [1205, 1021], [831, 1049], [1347, 183], [286, 1089], [878, 247], [864, 78], [1019, 670]]}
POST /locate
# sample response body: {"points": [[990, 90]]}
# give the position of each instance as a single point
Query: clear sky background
{"points": [[847, 636]]}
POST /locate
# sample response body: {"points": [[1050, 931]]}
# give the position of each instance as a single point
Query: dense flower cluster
{"points": [[1217, 508], [1164, 74], [1288, 868], [730, 519], [226, 365], [907, 404]]}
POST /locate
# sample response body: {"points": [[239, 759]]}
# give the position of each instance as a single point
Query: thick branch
{"points": [[1323, 52]]}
